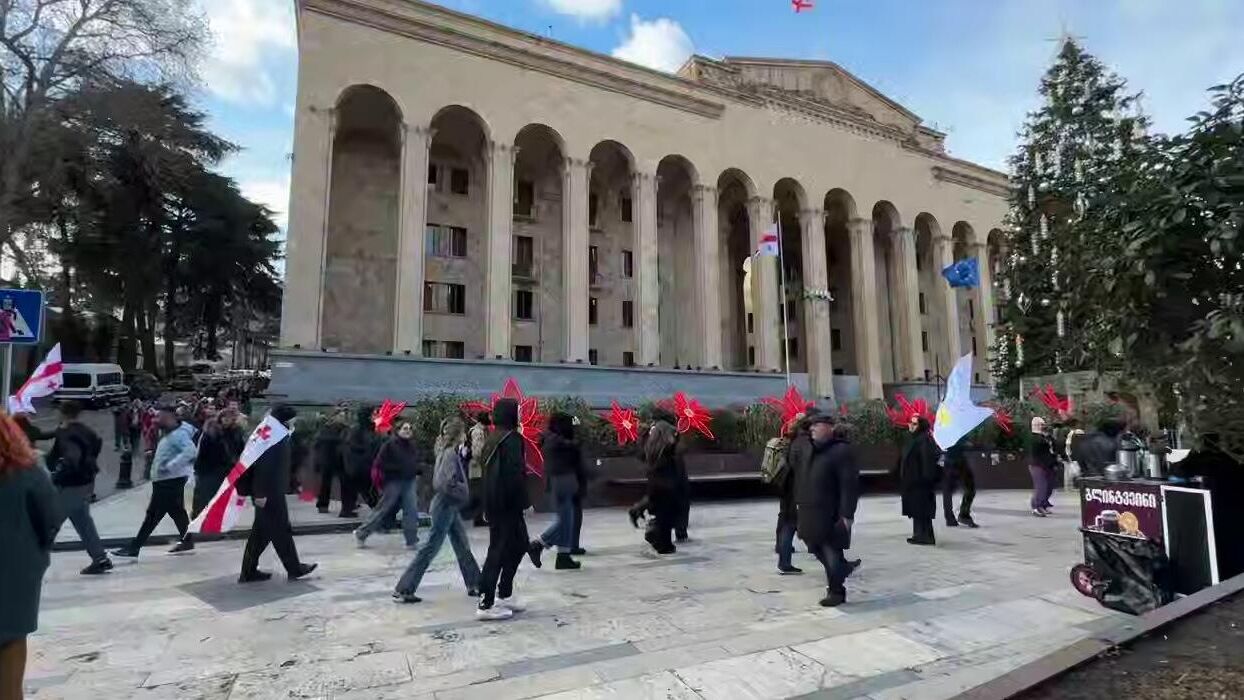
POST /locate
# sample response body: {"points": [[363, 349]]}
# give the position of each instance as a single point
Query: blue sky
{"points": [[967, 67]]}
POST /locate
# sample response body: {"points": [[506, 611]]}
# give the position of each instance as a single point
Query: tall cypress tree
{"points": [[1082, 133]]}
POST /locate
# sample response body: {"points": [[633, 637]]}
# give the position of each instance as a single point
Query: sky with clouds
{"points": [[967, 67]]}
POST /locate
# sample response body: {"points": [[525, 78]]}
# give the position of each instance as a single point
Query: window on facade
{"points": [[971, 310], [973, 345], [524, 256], [628, 359], [522, 353], [628, 314], [592, 357], [792, 348], [978, 377], [928, 375], [792, 308], [593, 204], [445, 349], [923, 309], [750, 324], [525, 199], [839, 371], [460, 181], [524, 304], [835, 339], [592, 312], [919, 262], [433, 173], [924, 341], [751, 356], [628, 264], [444, 298], [447, 241], [593, 264], [624, 204]]}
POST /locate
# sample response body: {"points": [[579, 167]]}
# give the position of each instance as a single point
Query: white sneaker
{"points": [[512, 604], [359, 539], [496, 612]]}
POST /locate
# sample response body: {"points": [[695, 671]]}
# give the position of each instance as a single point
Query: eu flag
{"points": [[963, 273]]}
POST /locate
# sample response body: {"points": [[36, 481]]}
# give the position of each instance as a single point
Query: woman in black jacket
{"points": [[401, 462], [220, 445], [563, 466], [664, 497], [919, 476], [505, 499]]}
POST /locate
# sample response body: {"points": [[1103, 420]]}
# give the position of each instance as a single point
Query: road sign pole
{"points": [[6, 387]]}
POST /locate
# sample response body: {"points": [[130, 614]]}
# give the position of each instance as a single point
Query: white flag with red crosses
{"points": [[46, 379], [222, 513]]}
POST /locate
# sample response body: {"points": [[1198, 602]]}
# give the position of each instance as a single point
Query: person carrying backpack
{"points": [[780, 453], [73, 463]]}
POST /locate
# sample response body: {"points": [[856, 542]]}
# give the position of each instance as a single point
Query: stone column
{"points": [[816, 311], [766, 312], [647, 286], [944, 253], [497, 285], [708, 315], [986, 305], [576, 176], [413, 219], [303, 300], [864, 307], [907, 295]]}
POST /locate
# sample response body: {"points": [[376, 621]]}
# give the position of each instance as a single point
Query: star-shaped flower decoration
{"points": [[625, 422], [1061, 406], [790, 407], [901, 414], [692, 415], [383, 417], [1006, 423], [531, 422]]}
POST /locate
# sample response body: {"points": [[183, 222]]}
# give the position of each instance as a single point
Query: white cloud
{"points": [[244, 33], [273, 194], [587, 10], [661, 44]]}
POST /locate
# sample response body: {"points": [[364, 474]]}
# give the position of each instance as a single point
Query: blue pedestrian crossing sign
{"points": [[21, 316]]}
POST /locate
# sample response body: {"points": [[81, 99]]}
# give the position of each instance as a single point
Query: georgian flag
{"points": [[222, 513], [47, 378], [769, 245]]}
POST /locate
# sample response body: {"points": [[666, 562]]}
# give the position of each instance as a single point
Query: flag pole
{"points": [[782, 276]]}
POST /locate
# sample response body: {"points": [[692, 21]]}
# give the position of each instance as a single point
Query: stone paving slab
{"points": [[712, 621]]}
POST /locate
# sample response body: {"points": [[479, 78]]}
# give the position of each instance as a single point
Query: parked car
{"points": [[94, 384], [143, 385], [182, 380]]}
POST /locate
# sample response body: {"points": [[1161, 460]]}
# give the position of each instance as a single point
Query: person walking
{"points": [[505, 499], [73, 461], [919, 476], [29, 520], [266, 482], [479, 438], [682, 509], [958, 471], [828, 491], [563, 464], [401, 463], [1042, 460], [798, 451], [171, 467], [359, 453], [220, 445], [663, 498], [450, 494], [329, 452]]}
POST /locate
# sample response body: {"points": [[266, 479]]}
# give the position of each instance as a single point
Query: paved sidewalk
{"points": [[712, 621]]}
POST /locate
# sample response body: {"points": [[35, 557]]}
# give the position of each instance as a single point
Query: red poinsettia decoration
{"points": [[790, 407], [691, 415], [901, 414], [531, 422], [383, 417], [625, 422], [1061, 406], [1004, 419]]}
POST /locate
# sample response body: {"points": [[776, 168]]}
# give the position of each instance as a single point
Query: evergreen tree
{"points": [[1083, 133]]}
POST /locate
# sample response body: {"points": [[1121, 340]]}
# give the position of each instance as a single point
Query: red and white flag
{"points": [[48, 377], [769, 245], [222, 513]]}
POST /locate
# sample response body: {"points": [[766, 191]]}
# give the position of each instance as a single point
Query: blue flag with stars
{"points": [[963, 273]]}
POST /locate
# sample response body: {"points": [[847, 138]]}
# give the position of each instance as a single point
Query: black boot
{"points": [[833, 599], [968, 521], [565, 562], [950, 521], [534, 549]]}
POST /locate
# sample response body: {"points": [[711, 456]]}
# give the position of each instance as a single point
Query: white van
{"points": [[94, 384]]}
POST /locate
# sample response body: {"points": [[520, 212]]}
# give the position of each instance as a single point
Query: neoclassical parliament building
{"points": [[468, 198]]}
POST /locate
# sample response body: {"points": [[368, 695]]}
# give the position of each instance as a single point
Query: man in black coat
{"points": [[958, 471], [73, 462], [505, 499], [919, 475], [329, 452], [268, 480], [827, 485]]}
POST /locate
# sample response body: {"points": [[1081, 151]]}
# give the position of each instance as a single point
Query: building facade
{"points": [[464, 190]]}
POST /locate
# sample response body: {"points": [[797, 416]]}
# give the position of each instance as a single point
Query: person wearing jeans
{"points": [[563, 462], [400, 464], [451, 494], [1041, 463], [171, 467], [73, 462]]}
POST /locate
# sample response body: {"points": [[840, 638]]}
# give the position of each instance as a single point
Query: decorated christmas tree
{"points": [[1084, 131]]}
